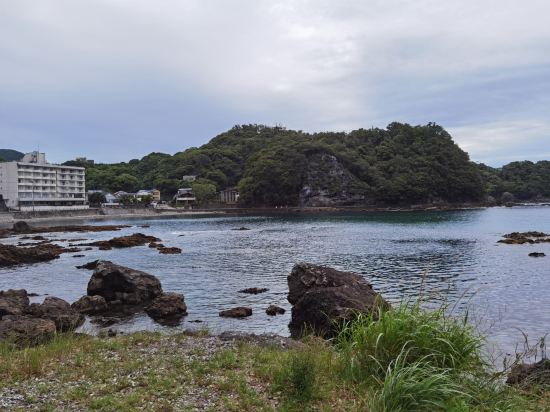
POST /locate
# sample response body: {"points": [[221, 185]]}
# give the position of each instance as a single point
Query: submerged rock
{"points": [[89, 265], [168, 307], [59, 311], [537, 254], [238, 312], [323, 298], [136, 239], [169, 250], [122, 284], [520, 238], [13, 255], [273, 310], [253, 291]]}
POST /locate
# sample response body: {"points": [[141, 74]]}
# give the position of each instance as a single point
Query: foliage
{"points": [[525, 180], [401, 164], [8, 155], [96, 198]]}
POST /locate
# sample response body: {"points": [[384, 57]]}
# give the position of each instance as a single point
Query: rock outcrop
{"points": [[123, 285], [238, 312], [329, 183], [13, 302], [537, 254], [169, 250], [59, 311], [167, 307], [323, 298], [520, 238], [22, 227], [13, 255], [24, 330]]}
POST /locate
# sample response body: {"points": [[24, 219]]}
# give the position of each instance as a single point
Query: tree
{"points": [[96, 198]]}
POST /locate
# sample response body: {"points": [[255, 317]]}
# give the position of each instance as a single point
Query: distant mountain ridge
{"points": [[8, 155]]}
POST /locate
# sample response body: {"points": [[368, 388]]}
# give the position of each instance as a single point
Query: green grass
{"points": [[404, 359]]}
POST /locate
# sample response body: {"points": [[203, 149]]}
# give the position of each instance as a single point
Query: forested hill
{"points": [[273, 166], [7, 155]]}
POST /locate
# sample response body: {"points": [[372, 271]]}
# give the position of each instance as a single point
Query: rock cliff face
{"points": [[329, 183]]}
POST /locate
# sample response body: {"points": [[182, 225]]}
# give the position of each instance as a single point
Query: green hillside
{"points": [[272, 166], [7, 155]]}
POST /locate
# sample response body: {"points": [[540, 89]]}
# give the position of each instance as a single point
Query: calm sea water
{"points": [[450, 256]]}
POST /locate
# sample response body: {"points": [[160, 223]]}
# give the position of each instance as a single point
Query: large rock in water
{"points": [[122, 284], [24, 330], [168, 307], [91, 305], [13, 302], [59, 311], [323, 298]]}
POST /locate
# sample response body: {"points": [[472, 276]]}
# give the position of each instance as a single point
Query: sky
{"points": [[114, 80]]}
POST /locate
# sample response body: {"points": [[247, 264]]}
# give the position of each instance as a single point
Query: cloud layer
{"points": [[114, 80]]}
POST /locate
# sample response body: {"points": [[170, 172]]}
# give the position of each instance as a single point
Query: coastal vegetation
{"points": [[274, 166], [408, 359]]}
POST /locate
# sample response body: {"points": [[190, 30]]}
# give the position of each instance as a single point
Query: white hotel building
{"points": [[33, 184]]}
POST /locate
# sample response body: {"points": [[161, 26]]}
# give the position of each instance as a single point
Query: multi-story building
{"points": [[33, 184]]}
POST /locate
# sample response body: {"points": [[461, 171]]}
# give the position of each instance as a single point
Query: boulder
{"points": [[323, 298], [273, 310], [24, 330], [21, 227], [13, 302], [90, 305], [59, 311], [238, 312], [167, 306], [530, 374], [253, 291], [125, 285]]}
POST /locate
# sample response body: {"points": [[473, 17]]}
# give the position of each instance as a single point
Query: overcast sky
{"points": [[114, 80]]}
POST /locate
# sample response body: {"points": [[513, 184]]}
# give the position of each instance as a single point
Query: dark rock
{"points": [[240, 228], [155, 245], [530, 374], [32, 294], [323, 298], [520, 238], [253, 291], [21, 227], [90, 305], [273, 310], [13, 302], [120, 283], [169, 250], [59, 311], [111, 333], [90, 265], [168, 307], [238, 312], [136, 239], [145, 226], [24, 330], [195, 321], [12, 255], [537, 254], [78, 256]]}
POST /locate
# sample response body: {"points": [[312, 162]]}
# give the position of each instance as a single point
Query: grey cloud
{"points": [[140, 76]]}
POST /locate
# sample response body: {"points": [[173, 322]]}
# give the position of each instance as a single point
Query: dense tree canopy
{"points": [[401, 164]]}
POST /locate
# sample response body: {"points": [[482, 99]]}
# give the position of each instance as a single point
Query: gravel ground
{"points": [[149, 372]]}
